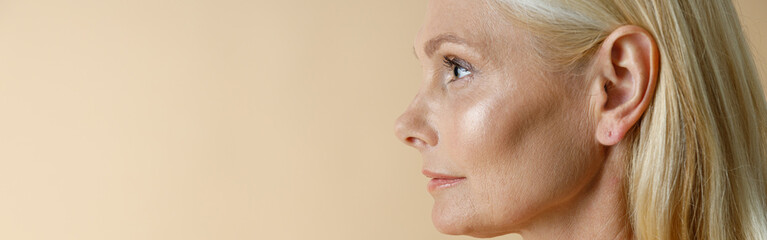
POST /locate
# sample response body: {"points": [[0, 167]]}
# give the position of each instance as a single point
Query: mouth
{"points": [[441, 181]]}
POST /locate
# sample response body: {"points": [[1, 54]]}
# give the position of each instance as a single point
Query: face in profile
{"points": [[504, 140]]}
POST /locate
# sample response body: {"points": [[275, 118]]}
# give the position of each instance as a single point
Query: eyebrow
{"points": [[435, 43]]}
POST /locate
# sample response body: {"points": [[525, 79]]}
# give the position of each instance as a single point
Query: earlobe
{"points": [[610, 130], [627, 69]]}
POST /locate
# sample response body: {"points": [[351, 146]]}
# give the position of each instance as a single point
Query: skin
{"points": [[536, 152]]}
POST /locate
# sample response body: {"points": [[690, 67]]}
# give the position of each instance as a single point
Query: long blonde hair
{"points": [[697, 165]]}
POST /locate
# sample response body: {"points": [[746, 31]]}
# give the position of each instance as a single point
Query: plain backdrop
{"points": [[227, 119]]}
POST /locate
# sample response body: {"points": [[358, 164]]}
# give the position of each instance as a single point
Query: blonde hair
{"points": [[697, 164]]}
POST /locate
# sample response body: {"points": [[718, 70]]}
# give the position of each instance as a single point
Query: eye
{"points": [[460, 72], [458, 68]]}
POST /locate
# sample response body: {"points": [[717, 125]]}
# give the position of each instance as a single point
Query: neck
{"points": [[599, 211]]}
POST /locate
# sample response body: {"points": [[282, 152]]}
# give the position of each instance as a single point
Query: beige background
{"points": [[160, 119]]}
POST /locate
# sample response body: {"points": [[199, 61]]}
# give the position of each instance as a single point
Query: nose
{"points": [[414, 129]]}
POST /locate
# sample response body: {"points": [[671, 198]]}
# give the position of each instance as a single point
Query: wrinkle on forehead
{"points": [[479, 23]]}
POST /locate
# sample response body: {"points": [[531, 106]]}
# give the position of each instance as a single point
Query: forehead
{"points": [[473, 20], [443, 14]]}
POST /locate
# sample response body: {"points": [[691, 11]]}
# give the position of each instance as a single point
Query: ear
{"points": [[626, 70]]}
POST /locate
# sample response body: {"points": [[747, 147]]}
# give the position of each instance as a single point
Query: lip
{"points": [[440, 181]]}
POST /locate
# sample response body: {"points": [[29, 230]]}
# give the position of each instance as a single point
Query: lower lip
{"points": [[440, 183]]}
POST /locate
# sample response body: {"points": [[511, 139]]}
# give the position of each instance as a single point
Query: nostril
{"points": [[413, 129], [414, 141]]}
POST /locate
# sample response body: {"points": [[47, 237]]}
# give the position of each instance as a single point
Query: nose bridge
{"points": [[414, 127]]}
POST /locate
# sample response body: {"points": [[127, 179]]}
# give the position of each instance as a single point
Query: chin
{"points": [[459, 227], [450, 225], [451, 220]]}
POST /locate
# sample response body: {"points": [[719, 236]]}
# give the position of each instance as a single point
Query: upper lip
{"points": [[431, 174]]}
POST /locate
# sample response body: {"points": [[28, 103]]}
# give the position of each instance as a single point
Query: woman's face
{"points": [[504, 140]]}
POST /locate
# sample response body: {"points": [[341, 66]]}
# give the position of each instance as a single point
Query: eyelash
{"points": [[452, 62]]}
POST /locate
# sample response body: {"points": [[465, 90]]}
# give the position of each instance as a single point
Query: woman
{"points": [[590, 119]]}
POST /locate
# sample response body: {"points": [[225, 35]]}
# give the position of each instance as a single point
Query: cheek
{"points": [[483, 134], [521, 153], [549, 164], [479, 131], [473, 126]]}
